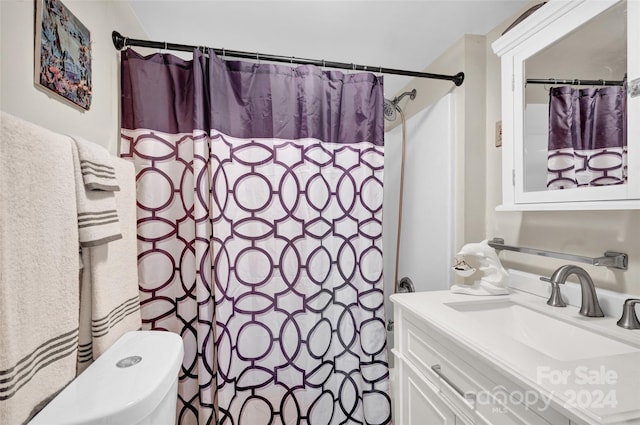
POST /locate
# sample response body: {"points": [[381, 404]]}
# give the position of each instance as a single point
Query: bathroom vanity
{"points": [[565, 43], [510, 359]]}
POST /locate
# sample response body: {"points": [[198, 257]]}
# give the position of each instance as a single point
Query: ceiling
{"points": [[388, 33]]}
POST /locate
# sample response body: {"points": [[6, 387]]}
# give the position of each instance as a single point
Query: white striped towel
{"points": [[96, 165], [109, 300], [97, 215], [38, 267]]}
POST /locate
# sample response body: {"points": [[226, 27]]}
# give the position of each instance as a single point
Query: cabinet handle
{"points": [[468, 396]]}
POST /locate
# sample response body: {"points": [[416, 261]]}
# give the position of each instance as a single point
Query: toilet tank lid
{"points": [[149, 362]]}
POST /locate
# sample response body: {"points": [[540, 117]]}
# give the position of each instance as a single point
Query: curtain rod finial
{"points": [[458, 79], [118, 40]]}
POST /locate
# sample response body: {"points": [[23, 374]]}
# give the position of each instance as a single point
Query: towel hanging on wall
{"points": [[109, 300], [38, 267], [95, 186]]}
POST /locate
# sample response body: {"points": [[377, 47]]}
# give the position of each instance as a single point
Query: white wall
{"points": [[18, 94]]}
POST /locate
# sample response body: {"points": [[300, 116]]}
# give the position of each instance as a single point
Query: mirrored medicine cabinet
{"points": [[570, 107]]}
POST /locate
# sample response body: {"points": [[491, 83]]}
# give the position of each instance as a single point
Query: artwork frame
{"points": [[62, 53]]}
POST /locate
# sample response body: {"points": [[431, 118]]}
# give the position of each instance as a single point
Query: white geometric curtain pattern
{"points": [[297, 236], [174, 255]]}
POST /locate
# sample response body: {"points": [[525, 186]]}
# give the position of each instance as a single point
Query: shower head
{"points": [[391, 106], [389, 110]]}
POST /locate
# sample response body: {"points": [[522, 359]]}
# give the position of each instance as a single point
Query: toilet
{"points": [[135, 382]]}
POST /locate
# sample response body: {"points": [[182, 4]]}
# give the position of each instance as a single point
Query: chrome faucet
{"points": [[629, 320], [590, 306], [555, 300]]}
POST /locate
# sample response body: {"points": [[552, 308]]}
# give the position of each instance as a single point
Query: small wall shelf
{"points": [[616, 260]]}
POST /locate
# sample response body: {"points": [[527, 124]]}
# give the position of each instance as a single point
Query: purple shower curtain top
{"points": [[588, 118], [244, 99], [587, 137]]}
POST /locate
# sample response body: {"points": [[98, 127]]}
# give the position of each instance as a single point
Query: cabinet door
{"points": [[421, 404], [561, 43]]}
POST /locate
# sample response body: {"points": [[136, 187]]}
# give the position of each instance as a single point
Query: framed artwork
{"points": [[62, 53]]}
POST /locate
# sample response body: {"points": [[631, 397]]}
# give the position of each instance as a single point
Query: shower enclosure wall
{"points": [[427, 244]]}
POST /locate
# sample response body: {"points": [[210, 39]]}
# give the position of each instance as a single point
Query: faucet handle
{"points": [[629, 320], [555, 300]]}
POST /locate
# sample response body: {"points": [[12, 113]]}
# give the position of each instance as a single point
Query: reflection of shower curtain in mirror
{"points": [[260, 235], [587, 137]]}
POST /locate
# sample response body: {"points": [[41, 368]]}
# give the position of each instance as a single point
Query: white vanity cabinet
{"points": [[510, 360], [441, 383], [571, 40]]}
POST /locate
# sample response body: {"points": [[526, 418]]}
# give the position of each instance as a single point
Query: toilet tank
{"points": [[134, 382]]}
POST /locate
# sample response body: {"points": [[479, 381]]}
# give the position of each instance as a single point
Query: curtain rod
{"points": [[120, 42], [575, 82]]}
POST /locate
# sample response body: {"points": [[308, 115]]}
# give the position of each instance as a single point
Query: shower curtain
{"points": [[259, 232], [587, 137]]}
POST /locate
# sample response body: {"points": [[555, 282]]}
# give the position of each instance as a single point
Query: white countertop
{"points": [[602, 390]]}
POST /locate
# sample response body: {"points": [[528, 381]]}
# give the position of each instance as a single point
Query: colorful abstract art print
{"points": [[62, 53]]}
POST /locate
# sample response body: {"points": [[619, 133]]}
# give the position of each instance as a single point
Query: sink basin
{"points": [[556, 338]]}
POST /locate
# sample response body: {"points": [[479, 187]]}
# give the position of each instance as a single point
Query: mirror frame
{"points": [[544, 27]]}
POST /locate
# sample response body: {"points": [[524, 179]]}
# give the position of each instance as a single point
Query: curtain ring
{"points": [[224, 53], [578, 82], [323, 64], [165, 47], [292, 57], [353, 66]]}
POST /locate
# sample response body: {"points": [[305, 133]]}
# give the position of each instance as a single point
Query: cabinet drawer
{"points": [[473, 390], [452, 378], [420, 403], [423, 403]]}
